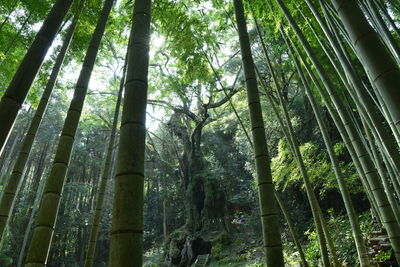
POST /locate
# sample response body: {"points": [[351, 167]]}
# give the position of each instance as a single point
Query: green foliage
{"points": [[222, 238], [340, 230], [291, 255], [383, 256], [186, 33], [5, 260], [286, 172], [312, 252], [219, 243], [153, 257], [216, 250]]}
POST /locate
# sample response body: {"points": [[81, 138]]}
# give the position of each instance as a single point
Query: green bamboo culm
{"points": [[341, 128], [360, 96], [292, 229], [293, 144], [8, 197], [363, 101], [376, 59], [364, 96], [126, 242], [294, 149], [382, 171], [319, 221], [382, 7], [335, 117], [282, 205], [103, 181], [359, 241], [370, 172], [269, 216], [43, 232], [383, 29], [17, 90], [279, 200]]}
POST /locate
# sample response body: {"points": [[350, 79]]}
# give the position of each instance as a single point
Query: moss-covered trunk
{"points": [[195, 189]]}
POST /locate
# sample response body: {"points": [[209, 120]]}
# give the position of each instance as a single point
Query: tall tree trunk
{"points": [[36, 189], [361, 97], [16, 92], [8, 198], [293, 143], [9, 14], [17, 35], [104, 178], [29, 226], [383, 30], [385, 179], [294, 148], [359, 241], [269, 217], [388, 18], [279, 200], [365, 104], [369, 169], [42, 235], [292, 229], [346, 138], [126, 247], [376, 59], [196, 189]]}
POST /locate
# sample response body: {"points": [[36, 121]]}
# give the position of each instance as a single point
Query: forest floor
{"points": [[239, 249]]}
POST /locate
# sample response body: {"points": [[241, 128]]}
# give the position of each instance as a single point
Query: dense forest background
{"points": [[200, 188]]}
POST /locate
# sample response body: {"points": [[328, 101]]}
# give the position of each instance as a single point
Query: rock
{"points": [[194, 246], [184, 249]]}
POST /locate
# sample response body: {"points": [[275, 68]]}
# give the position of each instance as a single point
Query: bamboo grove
{"points": [[165, 133]]}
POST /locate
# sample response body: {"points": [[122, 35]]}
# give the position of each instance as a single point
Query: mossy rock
{"points": [[217, 250], [178, 234], [219, 244], [174, 244], [176, 238]]}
